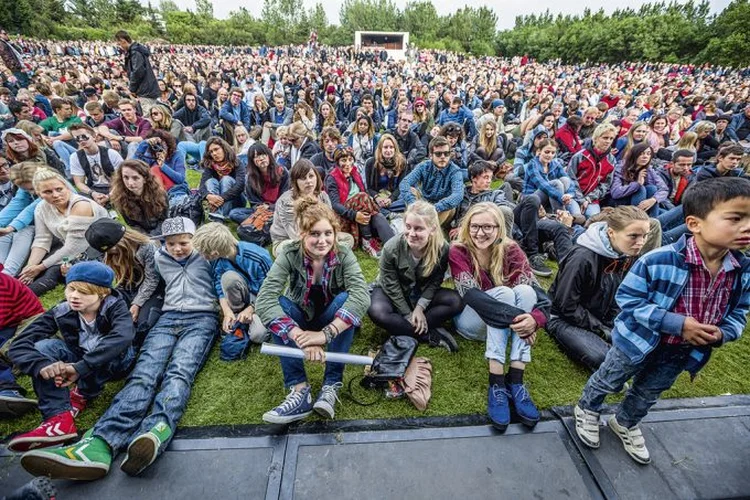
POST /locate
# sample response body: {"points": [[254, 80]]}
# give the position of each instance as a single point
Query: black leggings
{"points": [[445, 305], [379, 224], [582, 346]]}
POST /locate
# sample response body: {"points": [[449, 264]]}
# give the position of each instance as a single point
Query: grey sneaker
{"points": [[632, 440], [539, 266], [296, 406], [587, 426], [327, 398]]}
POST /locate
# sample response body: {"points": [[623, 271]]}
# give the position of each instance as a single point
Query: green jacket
{"points": [[289, 277], [399, 275]]}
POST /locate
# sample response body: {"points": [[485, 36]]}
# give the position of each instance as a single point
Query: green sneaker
{"points": [[144, 449], [86, 460]]}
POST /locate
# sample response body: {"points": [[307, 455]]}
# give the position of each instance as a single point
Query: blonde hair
{"points": [[688, 141], [24, 172], [166, 122], [498, 248], [89, 289], [121, 258], [602, 129], [214, 238], [436, 241], [621, 217], [704, 126], [45, 174], [309, 211], [282, 131], [298, 130]]}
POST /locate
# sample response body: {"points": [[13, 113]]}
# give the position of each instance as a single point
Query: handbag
{"points": [[189, 205], [257, 227], [391, 362]]}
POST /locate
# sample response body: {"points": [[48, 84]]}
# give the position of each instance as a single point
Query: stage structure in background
{"points": [[394, 42]]}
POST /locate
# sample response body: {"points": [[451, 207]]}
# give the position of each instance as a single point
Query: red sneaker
{"points": [[77, 401], [53, 431]]}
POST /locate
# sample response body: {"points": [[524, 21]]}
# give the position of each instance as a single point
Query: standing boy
{"points": [[677, 303], [144, 414]]}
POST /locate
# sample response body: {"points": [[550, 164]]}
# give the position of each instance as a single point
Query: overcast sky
{"points": [[506, 10]]}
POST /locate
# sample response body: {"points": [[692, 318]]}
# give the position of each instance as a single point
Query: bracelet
{"points": [[328, 333], [335, 328]]}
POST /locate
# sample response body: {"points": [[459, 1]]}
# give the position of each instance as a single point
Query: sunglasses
{"points": [[82, 137], [441, 154]]}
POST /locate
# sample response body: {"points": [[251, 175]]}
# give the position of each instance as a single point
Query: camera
{"points": [[157, 148]]}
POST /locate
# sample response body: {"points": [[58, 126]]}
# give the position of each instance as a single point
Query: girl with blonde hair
{"points": [[408, 298], [503, 303], [17, 218]]}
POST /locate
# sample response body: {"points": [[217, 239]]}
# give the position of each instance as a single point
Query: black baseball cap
{"points": [[104, 233]]}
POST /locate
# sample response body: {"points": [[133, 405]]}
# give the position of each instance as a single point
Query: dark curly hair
{"points": [[149, 205]]}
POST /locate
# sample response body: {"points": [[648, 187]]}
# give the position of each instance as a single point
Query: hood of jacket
{"points": [[595, 239], [137, 47]]}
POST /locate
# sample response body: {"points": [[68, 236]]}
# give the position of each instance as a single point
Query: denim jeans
{"points": [[219, 187], [592, 209], [672, 225], [238, 215], [643, 194], [294, 369], [15, 248], [653, 375], [580, 345], [173, 353], [469, 325], [196, 150], [562, 186], [54, 400], [64, 151]]}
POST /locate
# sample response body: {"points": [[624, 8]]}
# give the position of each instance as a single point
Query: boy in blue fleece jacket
{"points": [[677, 303]]}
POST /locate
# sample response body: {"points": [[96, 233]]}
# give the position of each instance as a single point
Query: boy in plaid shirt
{"points": [[678, 303]]}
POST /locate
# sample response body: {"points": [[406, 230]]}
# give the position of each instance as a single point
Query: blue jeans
{"points": [[469, 325], [196, 150], [653, 375], [64, 151], [592, 209], [173, 353], [643, 193], [294, 369], [219, 187], [672, 225], [15, 248], [54, 400], [562, 186], [239, 215]]}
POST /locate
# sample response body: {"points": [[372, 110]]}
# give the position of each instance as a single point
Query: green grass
{"points": [[239, 392]]}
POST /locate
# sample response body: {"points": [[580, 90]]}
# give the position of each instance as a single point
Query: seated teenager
{"points": [[459, 149], [305, 181], [144, 414], [330, 139], [138, 197], [542, 235], [223, 178], [504, 305], [727, 164], [384, 172], [17, 218], [62, 216], [20, 146], [592, 169], [92, 166], [437, 180], [488, 145], [25, 307], [265, 183], [239, 270], [159, 152], [637, 183], [407, 298], [583, 293], [481, 174], [96, 333], [130, 255], [524, 155], [545, 178], [358, 213], [314, 298]]}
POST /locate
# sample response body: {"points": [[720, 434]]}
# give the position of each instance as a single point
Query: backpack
{"points": [[235, 344], [189, 205]]}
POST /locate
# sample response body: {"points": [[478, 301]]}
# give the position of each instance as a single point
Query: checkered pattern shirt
{"points": [[704, 298]]}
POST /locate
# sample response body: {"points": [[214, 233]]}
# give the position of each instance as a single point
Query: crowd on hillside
{"points": [[441, 166]]}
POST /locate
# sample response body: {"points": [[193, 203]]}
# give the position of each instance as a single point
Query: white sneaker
{"points": [[632, 440], [587, 426], [327, 398]]}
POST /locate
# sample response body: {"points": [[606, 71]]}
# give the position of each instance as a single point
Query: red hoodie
{"points": [[568, 139]]}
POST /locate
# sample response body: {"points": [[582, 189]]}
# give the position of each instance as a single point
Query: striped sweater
{"points": [[647, 297], [17, 302]]}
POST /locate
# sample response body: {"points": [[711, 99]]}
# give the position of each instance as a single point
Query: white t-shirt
{"points": [[97, 172]]}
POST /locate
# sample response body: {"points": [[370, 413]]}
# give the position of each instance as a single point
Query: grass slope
{"points": [[238, 393]]}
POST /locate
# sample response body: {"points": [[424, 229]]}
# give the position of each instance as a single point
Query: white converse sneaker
{"points": [[632, 440], [587, 426], [329, 395]]}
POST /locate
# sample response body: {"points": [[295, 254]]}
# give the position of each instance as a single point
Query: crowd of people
{"points": [[442, 167]]}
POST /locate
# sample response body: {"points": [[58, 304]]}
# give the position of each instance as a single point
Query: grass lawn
{"points": [[239, 392]]}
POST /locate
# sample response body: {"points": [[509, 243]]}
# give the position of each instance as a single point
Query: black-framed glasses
{"points": [[441, 154], [485, 228]]}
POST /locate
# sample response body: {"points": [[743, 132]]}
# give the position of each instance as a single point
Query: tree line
{"points": [[664, 32]]}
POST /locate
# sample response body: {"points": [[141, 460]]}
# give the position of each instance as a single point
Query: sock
{"points": [[515, 376], [497, 379]]}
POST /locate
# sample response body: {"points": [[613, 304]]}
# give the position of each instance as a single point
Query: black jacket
{"points": [[113, 322], [583, 293], [198, 118], [140, 73], [411, 147]]}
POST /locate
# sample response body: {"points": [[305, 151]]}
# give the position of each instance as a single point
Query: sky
{"points": [[505, 9]]}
